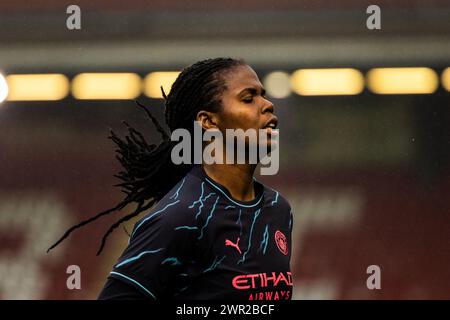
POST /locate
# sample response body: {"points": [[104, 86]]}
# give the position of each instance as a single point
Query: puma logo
{"points": [[234, 245]]}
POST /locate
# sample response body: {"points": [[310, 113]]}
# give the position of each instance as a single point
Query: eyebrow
{"points": [[253, 90]]}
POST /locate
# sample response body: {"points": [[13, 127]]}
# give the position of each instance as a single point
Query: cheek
{"points": [[239, 116]]}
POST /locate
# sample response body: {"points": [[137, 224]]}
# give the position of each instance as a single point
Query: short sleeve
{"points": [[159, 246]]}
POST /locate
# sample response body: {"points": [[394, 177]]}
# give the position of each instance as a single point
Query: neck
{"points": [[237, 178]]}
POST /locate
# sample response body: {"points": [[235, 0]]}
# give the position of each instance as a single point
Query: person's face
{"points": [[244, 105]]}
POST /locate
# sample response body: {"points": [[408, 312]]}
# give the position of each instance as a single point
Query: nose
{"points": [[268, 106]]}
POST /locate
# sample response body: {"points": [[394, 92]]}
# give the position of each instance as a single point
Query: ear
{"points": [[208, 120]]}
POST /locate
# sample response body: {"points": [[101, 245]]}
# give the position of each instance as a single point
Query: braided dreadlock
{"points": [[148, 172]]}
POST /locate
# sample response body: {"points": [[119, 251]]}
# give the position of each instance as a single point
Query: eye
{"points": [[248, 99]]}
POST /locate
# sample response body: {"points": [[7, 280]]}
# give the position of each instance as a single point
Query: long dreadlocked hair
{"points": [[148, 172]]}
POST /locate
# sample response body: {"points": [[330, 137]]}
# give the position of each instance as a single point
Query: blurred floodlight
{"points": [[277, 84], [402, 80], [153, 82], [106, 86], [318, 82], [3, 88], [26, 87], [446, 79]]}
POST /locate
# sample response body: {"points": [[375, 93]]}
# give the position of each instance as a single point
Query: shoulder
{"points": [[173, 210], [280, 206], [278, 210], [275, 198]]}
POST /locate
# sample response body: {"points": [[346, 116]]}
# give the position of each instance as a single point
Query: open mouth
{"points": [[271, 125]]}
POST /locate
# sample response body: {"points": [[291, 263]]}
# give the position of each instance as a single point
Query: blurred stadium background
{"points": [[364, 155]]}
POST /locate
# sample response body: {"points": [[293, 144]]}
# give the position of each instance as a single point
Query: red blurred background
{"points": [[367, 175]]}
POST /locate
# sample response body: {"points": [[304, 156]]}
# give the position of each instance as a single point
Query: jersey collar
{"points": [[259, 189]]}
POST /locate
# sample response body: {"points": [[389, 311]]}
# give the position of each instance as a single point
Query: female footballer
{"points": [[211, 231]]}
